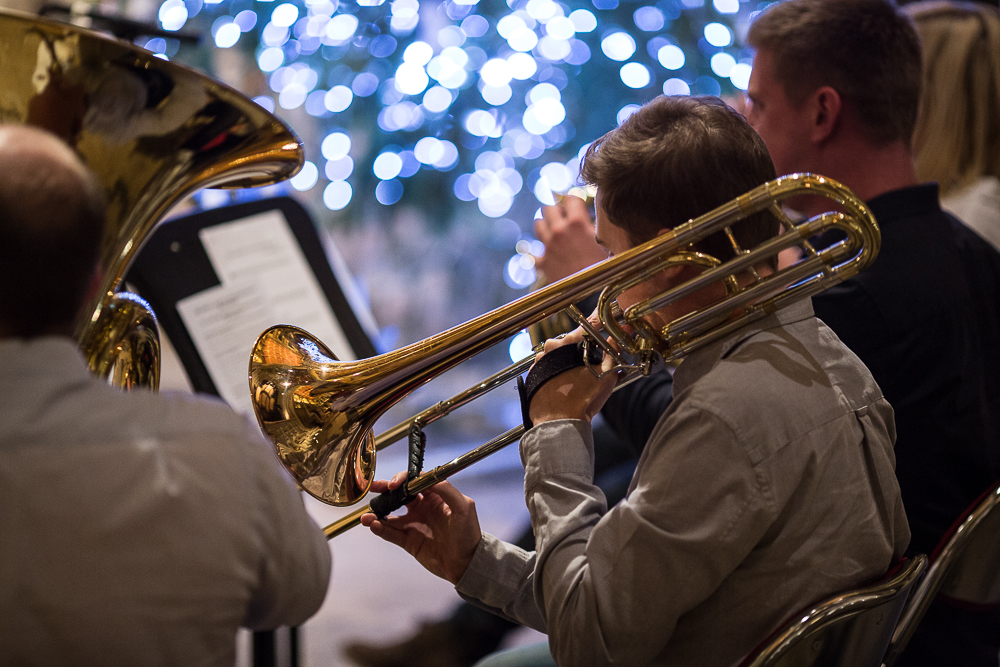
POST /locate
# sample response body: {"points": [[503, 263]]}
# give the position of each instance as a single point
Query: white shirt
{"points": [[978, 206], [139, 528]]}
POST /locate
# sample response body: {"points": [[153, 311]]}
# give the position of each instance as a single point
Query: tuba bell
{"points": [[153, 132]]}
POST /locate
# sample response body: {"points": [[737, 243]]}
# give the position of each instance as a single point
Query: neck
{"points": [[867, 170], [705, 297], [8, 332]]}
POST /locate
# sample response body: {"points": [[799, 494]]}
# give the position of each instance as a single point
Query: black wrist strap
{"points": [[551, 364]]}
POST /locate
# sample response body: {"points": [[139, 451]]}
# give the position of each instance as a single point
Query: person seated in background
{"points": [[137, 528], [766, 485], [627, 419], [956, 141], [835, 90]]}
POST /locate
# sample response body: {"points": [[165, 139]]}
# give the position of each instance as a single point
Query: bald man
{"points": [[137, 528]]}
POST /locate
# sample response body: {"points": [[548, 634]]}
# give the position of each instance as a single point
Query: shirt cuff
{"points": [[560, 447], [497, 572]]}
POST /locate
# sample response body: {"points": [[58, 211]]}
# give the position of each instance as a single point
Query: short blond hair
{"points": [[957, 138]]}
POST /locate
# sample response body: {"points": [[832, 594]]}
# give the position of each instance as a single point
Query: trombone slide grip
{"points": [[390, 501]]}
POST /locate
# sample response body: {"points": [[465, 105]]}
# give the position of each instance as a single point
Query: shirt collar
{"points": [[909, 202], [701, 361]]}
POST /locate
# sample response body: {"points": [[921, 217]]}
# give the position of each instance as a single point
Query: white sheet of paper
{"points": [[266, 280]]}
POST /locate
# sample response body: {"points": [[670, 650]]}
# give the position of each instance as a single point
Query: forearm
{"points": [[603, 600], [565, 506], [500, 579]]}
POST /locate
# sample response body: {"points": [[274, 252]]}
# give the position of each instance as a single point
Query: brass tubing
{"points": [[320, 412], [432, 477], [152, 132], [449, 405]]}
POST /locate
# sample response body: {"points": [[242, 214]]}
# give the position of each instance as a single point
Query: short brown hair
{"points": [[675, 159], [51, 224], [866, 50]]}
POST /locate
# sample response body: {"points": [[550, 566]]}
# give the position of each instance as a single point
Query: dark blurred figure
{"points": [[835, 90], [137, 528]]}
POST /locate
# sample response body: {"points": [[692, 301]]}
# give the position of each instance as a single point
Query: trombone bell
{"points": [[299, 421]]}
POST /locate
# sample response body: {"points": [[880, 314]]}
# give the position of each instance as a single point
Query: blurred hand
{"points": [[738, 103], [440, 528], [568, 234], [789, 256], [575, 394]]}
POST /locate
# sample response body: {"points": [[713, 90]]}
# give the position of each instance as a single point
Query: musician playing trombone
{"points": [[766, 485]]}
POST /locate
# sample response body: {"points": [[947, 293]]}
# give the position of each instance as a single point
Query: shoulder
{"points": [[181, 411], [781, 384], [191, 425]]}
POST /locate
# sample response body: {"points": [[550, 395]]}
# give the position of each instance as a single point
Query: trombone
{"points": [[319, 411]]}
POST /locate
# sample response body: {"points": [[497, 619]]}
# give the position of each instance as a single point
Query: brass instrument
{"points": [[561, 322], [153, 132], [319, 412]]}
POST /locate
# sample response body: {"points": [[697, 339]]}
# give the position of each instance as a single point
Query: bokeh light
{"points": [[635, 75], [671, 57], [335, 146], [717, 34], [520, 346], [337, 195], [648, 19], [306, 178], [226, 33], [676, 87], [486, 105], [722, 64], [618, 46], [388, 192]]}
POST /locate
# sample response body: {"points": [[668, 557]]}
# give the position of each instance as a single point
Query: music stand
{"points": [[201, 274], [175, 266]]}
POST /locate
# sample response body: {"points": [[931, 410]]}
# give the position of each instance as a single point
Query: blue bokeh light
{"points": [[489, 103]]}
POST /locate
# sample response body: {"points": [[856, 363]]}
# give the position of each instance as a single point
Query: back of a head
{"points": [[957, 139], [51, 223], [867, 50], [677, 158]]}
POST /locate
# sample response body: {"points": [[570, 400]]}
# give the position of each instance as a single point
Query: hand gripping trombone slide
{"points": [[319, 411]]}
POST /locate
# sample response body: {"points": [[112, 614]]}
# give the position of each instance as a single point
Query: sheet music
{"points": [[266, 280]]}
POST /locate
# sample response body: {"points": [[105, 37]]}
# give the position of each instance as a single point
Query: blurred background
{"points": [[434, 131]]}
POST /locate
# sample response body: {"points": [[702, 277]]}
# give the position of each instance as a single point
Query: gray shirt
{"points": [[767, 485], [139, 528]]}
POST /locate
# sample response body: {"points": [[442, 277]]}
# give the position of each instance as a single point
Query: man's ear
{"points": [[826, 106]]}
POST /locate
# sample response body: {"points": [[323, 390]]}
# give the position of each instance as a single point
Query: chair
{"points": [[851, 629], [965, 568]]}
